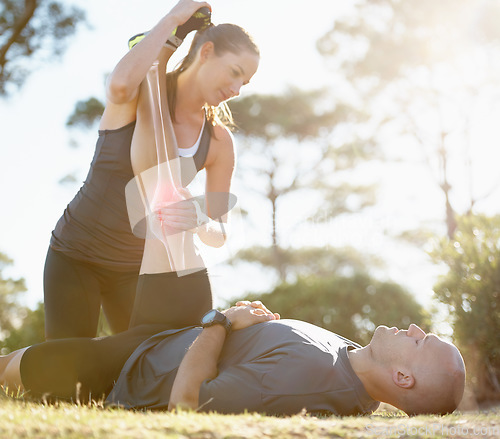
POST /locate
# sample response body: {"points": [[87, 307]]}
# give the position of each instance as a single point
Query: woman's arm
{"points": [[219, 170], [132, 68], [200, 362], [123, 83]]}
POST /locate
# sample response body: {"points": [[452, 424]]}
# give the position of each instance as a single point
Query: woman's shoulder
{"points": [[221, 152], [223, 138]]}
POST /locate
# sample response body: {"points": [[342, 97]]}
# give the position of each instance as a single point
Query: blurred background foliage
{"points": [[471, 291], [352, 306]]}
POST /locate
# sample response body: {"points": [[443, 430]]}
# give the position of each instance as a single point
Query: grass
{"points": [[20, 419]]}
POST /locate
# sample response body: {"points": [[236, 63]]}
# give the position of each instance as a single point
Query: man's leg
{"points": [[78, 369]]}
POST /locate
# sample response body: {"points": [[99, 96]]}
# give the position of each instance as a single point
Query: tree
{"points": [[411, 66], [290, 150], [30, 331], [21, 326], [32, 31], [9, 291], [86, 113], [471, 291], [350, 306], [312, 261], [12, 315]]}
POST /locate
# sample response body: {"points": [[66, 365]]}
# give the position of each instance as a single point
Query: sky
{"points": [[37, 150]]}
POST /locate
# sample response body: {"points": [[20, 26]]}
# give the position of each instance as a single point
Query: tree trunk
{"points": [[17, 28]]}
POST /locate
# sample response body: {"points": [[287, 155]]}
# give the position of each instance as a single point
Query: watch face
{"points": [[209, 316]]}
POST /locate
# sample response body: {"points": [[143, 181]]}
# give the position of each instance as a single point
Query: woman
{"points": [[94, 258]]}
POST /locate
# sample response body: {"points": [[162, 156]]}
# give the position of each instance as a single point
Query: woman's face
{"points": [[223, 76]]}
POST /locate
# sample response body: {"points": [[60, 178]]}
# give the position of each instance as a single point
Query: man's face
{"points": [[409, 348]]}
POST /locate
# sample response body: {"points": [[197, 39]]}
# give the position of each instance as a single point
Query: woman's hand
{"points": [[181, 215], [245, 314], [184, 9]]}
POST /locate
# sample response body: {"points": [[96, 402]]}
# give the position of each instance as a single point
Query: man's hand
{"points": [[245, 314]]}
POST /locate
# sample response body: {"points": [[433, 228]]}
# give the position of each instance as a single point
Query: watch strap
{"points": [[218, 319]]}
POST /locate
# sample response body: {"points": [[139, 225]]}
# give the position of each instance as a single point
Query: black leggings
{"points": [[79, 369], [74, 292], [86, 368]]}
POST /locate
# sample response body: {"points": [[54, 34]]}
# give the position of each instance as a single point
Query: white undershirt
{"points": [[190, 152]]}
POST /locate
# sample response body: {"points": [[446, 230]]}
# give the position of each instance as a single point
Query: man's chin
{"points": [[381, 330]]}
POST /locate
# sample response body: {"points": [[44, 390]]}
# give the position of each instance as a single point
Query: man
{"points": [[246, 358], [281, 367]]}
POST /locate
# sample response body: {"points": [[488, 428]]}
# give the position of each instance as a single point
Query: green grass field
{"points": [[19, 419]]}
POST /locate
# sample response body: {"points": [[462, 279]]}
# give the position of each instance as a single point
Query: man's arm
{"points": [[198, 365], [200, 362]]}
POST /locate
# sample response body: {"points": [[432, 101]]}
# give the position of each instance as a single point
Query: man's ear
{"points": [[403, 379]]}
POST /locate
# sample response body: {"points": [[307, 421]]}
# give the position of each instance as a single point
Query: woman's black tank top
{"points": [[94, 226]]}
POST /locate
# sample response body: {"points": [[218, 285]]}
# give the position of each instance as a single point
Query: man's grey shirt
{"points": [[277, 367]]}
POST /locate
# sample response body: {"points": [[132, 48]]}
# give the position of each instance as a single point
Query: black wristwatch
{"points": [[214, 317]]}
